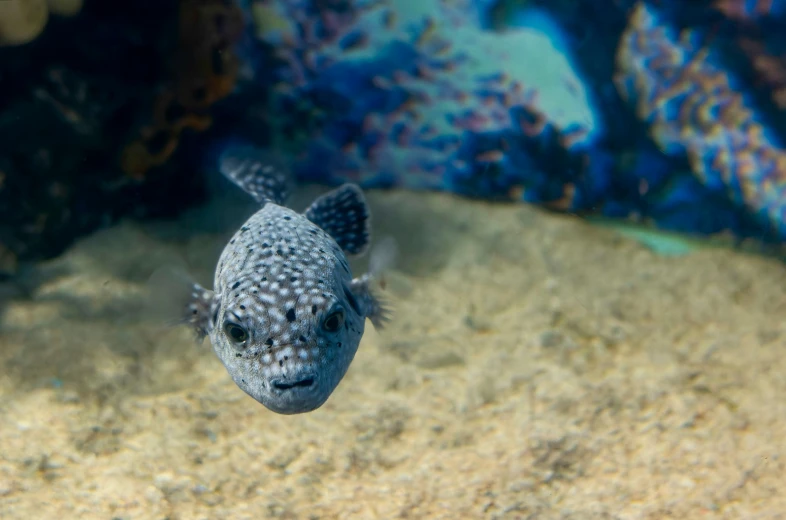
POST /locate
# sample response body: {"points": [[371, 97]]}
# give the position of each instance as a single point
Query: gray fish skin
{"points": [[286, 316]]}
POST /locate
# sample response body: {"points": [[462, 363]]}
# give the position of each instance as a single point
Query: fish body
{"points": [[285, 315]]}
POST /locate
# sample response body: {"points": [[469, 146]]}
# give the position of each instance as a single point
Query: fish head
{"points": [[289, 342]]}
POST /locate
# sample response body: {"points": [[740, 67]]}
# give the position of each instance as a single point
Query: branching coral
{"points": [[769, 67], [418, 94], [694, 107], [755, 34], [205, 71]]}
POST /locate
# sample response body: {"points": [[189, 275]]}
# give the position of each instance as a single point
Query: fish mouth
{"points": [[306, 382]]}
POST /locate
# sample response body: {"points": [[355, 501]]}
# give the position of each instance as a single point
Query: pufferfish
{"points": [[285, 315]]}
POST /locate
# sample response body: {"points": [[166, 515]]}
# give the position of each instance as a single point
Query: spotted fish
{"points": [[285, 315]]}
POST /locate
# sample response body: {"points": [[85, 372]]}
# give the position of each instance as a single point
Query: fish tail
{"points": [[261, 174]]}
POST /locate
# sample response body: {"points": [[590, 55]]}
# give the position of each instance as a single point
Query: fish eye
{"points": [[235, 332], [334, 321]]}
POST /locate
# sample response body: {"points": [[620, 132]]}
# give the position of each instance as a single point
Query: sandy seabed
{"points": [[537, 367]]}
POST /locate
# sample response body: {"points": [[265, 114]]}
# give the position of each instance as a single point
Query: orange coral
{"points": [[205, 71]]}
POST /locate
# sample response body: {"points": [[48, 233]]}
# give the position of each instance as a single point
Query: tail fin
{"points": [[261, 174], [176, 300]]}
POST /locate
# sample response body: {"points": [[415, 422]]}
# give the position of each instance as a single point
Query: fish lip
{"points": [[284, 385]]}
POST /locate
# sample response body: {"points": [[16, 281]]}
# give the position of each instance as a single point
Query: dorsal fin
{"points": [[259, 173], [344, 215]]}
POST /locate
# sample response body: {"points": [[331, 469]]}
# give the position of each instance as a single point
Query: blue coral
{"points": [[438, 95], [696, 108], [426, 98]]}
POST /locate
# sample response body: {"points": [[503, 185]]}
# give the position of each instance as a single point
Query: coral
{"points": [[695, 107], [420, 95], [769, 66], [456, 96], [205, 71], [749, 33]]}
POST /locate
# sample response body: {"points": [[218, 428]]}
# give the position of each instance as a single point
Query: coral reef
{"points": [[694, 107], [490, 99], [420, 95]]}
